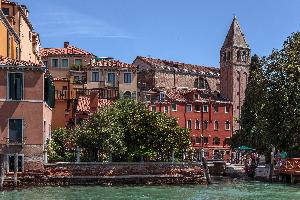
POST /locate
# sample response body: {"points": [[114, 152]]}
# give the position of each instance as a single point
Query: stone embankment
{"points": [[113, 174]]}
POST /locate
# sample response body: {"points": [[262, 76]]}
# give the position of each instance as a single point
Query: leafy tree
{"points": [[60, 147]]}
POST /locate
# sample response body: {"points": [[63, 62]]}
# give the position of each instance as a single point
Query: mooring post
{"points": [[173, 157], [201, 154], [206, 170], [77, 154], [272, 165], [16, 169], [1, 171]]}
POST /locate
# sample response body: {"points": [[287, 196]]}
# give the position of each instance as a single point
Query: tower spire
{"points": [[235, 37]]}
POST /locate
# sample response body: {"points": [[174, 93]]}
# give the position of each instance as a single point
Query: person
{"points": [[283, 156]]}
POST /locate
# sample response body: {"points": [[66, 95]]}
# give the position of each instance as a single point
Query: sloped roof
{"points": [[69, 50], [84, 104], [178, 66], [13, 62], [8, 2], [110, 63], [235, 37]]}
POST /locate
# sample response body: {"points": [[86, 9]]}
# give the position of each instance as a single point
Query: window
{"points": [[162, 96], [127, 95], [216, 140], [46, 63], [54, 62], [205, 140], [15, 84], [226, 141], [127, 77], [11, 163], [197, 124], [189, 124], [197, 108], [95, 77], [227, 125], [205, 108], [228, 56], [216, 125], [205, 125], [216, 108], [148, 97], [174, 107], [226, 109], [201, 83], [166, 109], [244, 57], [78, 62], [238, 55], [15, 130], [189, 108], [198, 140], [196, 96], [153, 108], [5, 11], [111, 78], [64, 62]]}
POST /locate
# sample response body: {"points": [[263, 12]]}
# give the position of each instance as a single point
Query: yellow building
{"points": [[9, 39], [27, 45]]}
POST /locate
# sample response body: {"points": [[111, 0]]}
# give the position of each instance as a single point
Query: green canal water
{"points": [[228, 191]]}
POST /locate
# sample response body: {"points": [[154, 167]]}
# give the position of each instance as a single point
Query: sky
{"points": [[189, 31]]}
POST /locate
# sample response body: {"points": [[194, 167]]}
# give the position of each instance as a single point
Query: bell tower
{"points": [[234, 66]]}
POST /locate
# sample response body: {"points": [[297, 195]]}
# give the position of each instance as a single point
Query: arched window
{"points": [[189, 124], [228, 56], [244, 57], [216, 125], [224, 57], [205, 125], [238, 55], [201, 83], [127, 94], [197, 124]]}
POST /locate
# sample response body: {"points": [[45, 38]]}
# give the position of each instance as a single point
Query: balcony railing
{"points": [[15, 141], [103, 93], [65, 94]]}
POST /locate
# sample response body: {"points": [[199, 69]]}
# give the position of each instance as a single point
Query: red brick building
{"points": [[208, 116]]}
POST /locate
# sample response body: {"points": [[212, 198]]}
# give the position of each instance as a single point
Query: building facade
{"points": [[25, 113], [60, 60]]}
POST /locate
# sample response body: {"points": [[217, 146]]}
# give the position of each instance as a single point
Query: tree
{"points": [[127, 130]]}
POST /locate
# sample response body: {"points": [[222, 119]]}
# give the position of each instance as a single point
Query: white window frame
{"points": [[7, 86], [22, 128], [197, 110], [114, 84], [216, 129], [92, 76], [174, 110], [204, 110], [199, 127], [226, 109], [152, 108], [78, 59], [19, 155], [57, 62], [227, 129], [166, 110], [61, 64], [191, 110], [187, 124], [130, 77]]}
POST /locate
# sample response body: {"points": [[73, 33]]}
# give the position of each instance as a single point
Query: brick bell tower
{"points": [[234, 65]]}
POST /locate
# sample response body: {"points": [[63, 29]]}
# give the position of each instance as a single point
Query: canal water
{"points": [[224, 190]]}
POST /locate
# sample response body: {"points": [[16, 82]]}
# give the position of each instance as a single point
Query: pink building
{"points": [[26, 101]]}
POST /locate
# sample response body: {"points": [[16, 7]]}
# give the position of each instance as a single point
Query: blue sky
{"points": [[190, 31]]}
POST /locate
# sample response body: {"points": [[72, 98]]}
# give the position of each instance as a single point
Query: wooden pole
{"points": [[206, 170], [16, 169], [272, 165], [1, 171]]}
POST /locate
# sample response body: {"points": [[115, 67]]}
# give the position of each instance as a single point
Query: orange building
{"points": [[9, 39], [18, 18]]}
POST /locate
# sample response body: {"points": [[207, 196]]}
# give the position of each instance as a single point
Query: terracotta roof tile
{"points": [[69, 50], [84, 104], [8, 2], [110, 63], [178, 66], [13, 62]]}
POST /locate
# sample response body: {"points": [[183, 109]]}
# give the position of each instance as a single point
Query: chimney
{"points": [[93, 101], [66, 44]]}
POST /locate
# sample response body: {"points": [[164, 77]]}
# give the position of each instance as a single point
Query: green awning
{"points": [[245, 148]]}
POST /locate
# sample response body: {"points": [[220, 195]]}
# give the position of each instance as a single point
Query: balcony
{"points": [[65, 94], [15, 141], [103, 93]]}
